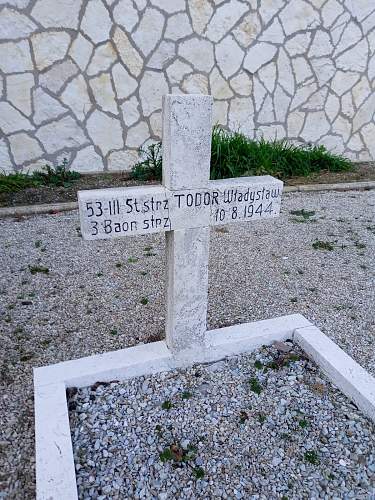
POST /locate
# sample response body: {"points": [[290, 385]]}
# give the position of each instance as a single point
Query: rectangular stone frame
{"points": [[55, 469]]}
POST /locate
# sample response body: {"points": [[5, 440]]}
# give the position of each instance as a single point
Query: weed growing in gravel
{"points": [[323, 245], [118, 265], [258, 364], [281, 360], [144, 301], [255, 385], [311, 457], [26, 357], [38, 269], [222, 230], [294, 357], [198, 472], [293, 300], [132, 260], [305, 214], [261, 418], [167, 405], [38, 243], [113, 331], [143, 273], [147, 249], [243, 416], [359, 245], [186, 395], [303, 423], [176, 454]]}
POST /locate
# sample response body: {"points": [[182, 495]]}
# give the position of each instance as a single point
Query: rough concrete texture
{"points": [[302, 69]]}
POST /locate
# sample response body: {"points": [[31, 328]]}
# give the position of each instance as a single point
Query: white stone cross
{"points": [[184, 207]]}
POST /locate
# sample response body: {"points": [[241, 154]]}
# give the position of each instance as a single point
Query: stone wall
{"points": [[84, 79]]}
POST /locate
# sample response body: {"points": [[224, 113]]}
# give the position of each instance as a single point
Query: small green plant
{"points": [[186, 395], [166, 455], [243, 416], [233, 154], [59, 175], [151, 165], [118, 265], [323, 245], [26, 357], [255, 385], [132, 260], [293, 300], [198, 473], [179, 456], [167, 405], [147, 249], [294, 357], [143, 273], [38, 243], [14, 182], [258, 364], [99, 275], [311, 457], [113, 331], [359, 245], [144, 301], [303, 423], [262, 418], [305, 214], [38, 269]]}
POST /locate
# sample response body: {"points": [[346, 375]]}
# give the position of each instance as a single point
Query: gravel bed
{"points": [[265, 425], [92, 299]]}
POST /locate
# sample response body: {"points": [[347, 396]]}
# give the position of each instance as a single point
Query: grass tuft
{"points": [[47, 176], [234, 155]]}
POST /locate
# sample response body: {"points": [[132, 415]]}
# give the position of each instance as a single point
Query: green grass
{"points": [[47, 176], [38, 269], [234, 155], [167, 405], [323, 245], [312, 457], [255, 385]]}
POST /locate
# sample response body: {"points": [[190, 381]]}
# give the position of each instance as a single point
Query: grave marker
{"points": [[184, 207]]}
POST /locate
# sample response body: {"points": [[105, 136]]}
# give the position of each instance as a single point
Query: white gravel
{"points": [[275, 429], [86, 304]]}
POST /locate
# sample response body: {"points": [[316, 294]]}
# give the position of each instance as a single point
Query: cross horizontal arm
{"points": [[112, 213]]}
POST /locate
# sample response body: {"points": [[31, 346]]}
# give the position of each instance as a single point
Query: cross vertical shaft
{"points": [[187, 122]]}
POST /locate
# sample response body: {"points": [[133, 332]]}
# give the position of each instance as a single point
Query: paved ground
{"points": [[90, 297]]}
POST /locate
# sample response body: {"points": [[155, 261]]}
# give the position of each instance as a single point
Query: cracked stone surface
{"points": [[300, 69]]}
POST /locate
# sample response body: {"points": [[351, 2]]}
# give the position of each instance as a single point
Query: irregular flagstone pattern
{"points": [[85, 80]]}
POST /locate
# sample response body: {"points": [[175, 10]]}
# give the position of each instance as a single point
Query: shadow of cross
{"points": [[184, 207]]}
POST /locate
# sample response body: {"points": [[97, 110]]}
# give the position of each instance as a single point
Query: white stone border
{"points": [[55, 470]]}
